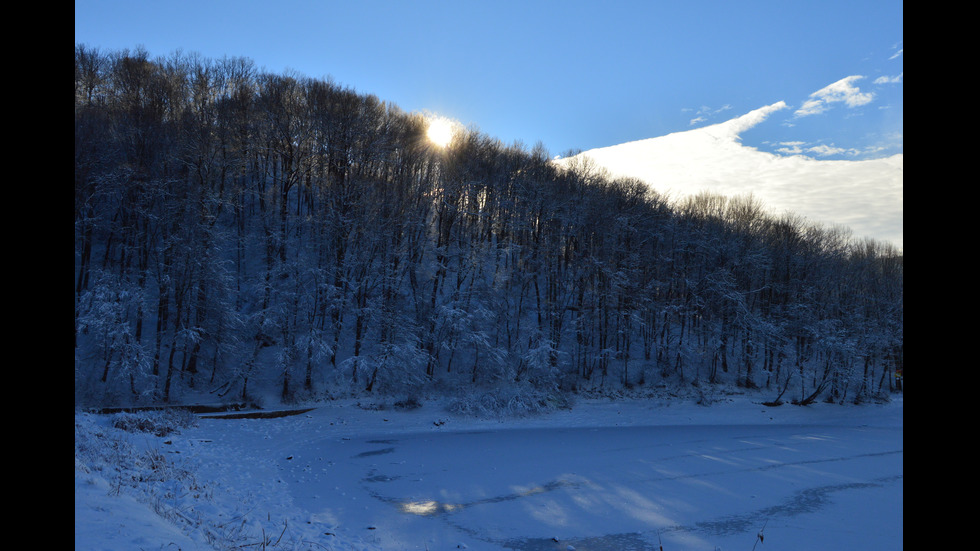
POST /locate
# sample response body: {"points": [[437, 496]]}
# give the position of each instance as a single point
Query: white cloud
{"points": [[841, 91], [827, 150], [890, 80], [864, 195], [706, 112], [790, 148], [823, 150], [738, 125]]}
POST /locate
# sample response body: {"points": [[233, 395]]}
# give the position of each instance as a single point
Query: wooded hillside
{"points": [[238, 232]]}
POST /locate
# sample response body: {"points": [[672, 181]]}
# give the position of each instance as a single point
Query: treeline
{"points": [[238, 232]]}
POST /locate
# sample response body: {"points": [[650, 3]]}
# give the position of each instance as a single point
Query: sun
{"points": [[440, 131]]}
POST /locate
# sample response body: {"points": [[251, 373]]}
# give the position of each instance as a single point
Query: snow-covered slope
{"points": [[864, 195]]}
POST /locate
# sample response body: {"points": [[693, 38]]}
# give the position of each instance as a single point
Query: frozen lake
{"points": [[606, 476]]}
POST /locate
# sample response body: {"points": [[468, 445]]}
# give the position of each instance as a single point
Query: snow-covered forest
{"points": [[246, 236]]}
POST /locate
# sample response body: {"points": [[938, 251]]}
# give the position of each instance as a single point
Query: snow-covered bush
{"points": [[114, 452], [142, 470], [409, 403], [507, 401], [159, 423]]}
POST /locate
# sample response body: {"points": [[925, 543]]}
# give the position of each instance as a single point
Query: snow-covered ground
{"points": [[627, 474]]}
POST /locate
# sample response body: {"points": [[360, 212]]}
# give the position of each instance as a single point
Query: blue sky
{"points": [[571, 74]]}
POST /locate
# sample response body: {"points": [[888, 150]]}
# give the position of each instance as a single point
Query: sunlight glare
{"points": [[425, 508], [440, 131], [420, 507]]}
